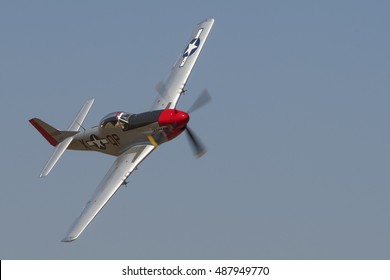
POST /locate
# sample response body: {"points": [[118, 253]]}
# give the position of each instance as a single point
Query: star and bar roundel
{"points": [[191, 48], [97, 142]]}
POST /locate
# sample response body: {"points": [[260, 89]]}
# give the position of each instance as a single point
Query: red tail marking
{"points": [[44, 133]]}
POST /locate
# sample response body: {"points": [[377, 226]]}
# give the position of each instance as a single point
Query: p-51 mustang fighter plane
{"points": [[130, 137]]}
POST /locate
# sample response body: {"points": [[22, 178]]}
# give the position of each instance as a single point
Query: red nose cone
{"points": [[173, 117]]}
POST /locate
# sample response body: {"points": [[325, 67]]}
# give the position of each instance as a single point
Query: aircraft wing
{"points": [[170, 90], [119, 171]]}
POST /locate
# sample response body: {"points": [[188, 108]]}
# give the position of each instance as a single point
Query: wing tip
{"points": [[200, 154], [211, 20], [69, 239], [90, 101]]}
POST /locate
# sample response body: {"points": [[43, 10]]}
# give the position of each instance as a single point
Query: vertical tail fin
{"points": [[52, 135], [60, 139]]}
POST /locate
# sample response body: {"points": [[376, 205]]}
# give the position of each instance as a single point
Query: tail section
{"points": [[52, 135], [60, 139]]}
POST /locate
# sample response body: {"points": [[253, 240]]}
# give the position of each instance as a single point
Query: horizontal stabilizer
{"points": [[60, 149], [78, 121], [60, 139]]}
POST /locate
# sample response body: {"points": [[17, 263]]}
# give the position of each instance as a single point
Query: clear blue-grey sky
{"points": [[298, 131]]}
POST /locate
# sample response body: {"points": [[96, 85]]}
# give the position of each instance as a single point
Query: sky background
{"points": [[298, 131]]}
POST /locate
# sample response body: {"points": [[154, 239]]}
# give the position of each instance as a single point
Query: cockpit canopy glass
{"points": [[115, 119]]}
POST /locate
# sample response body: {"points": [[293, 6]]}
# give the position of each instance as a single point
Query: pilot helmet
{"points": [[118, 115], [121, 116]]}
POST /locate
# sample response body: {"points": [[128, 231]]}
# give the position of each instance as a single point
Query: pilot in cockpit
{"points": [[122, 120], [116, 119]]}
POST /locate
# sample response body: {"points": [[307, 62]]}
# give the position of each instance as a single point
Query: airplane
{"points": [[130, 137]]}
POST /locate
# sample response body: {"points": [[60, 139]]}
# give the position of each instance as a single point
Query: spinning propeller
{"points": [[196, 144]]}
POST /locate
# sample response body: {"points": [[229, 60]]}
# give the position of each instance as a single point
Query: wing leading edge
{"points": [[170, 90], [119, 171]]}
